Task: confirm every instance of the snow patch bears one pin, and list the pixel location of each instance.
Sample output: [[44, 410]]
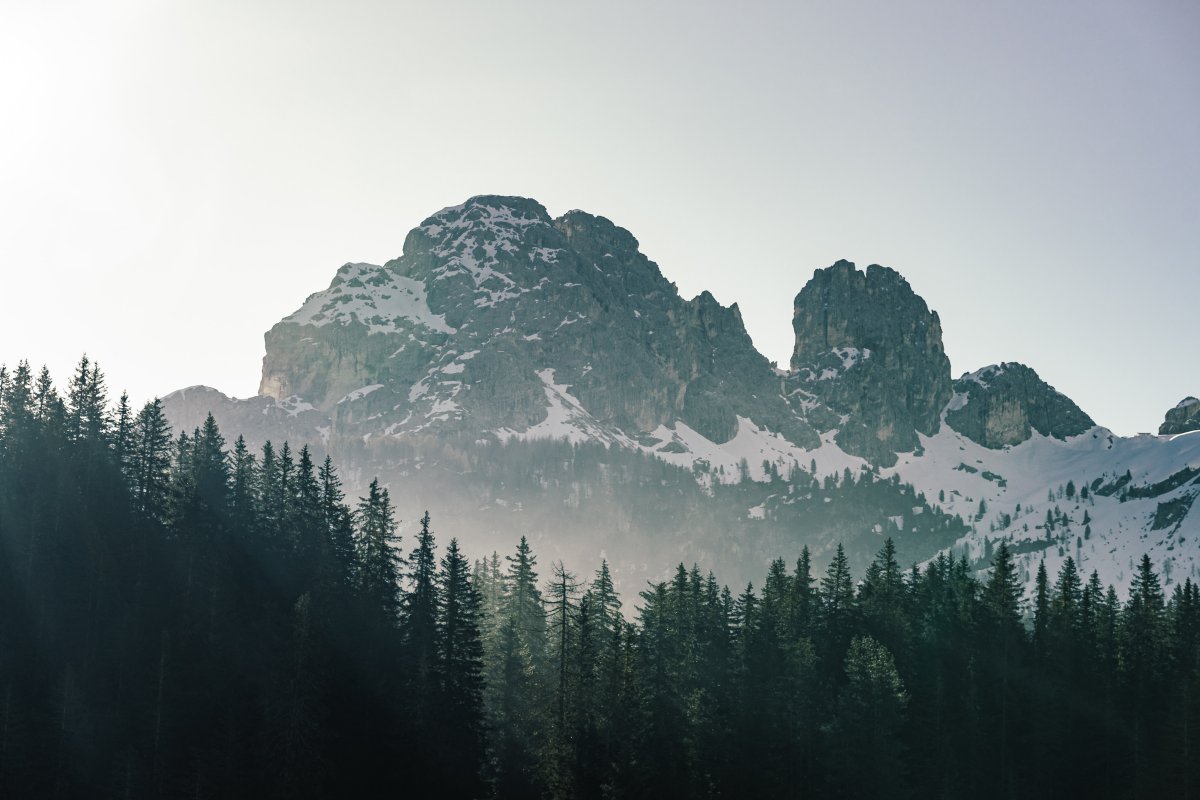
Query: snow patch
[[359, 394], [851, 355], [566, 418], [374, 296]]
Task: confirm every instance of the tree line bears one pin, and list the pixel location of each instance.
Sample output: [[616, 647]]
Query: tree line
[[182, 617]]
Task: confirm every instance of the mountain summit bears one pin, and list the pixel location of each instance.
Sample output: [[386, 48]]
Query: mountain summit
[[1183, 418], [493, 306], [517, 372], [895, 378]]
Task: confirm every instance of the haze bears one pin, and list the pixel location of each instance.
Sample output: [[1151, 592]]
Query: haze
[[175, 178]]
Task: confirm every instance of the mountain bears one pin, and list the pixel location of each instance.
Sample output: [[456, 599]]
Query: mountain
[[1183, 418], [518, 373], [870, 350]]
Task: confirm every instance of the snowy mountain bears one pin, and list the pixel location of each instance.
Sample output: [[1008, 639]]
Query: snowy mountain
[[518, 373]]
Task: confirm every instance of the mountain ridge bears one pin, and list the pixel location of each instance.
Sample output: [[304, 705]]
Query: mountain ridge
[[500, 325]]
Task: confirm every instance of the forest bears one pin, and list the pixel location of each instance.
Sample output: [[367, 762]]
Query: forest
[[181, 616]]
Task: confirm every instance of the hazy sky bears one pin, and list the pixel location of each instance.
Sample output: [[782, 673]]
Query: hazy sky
[[176, 177]]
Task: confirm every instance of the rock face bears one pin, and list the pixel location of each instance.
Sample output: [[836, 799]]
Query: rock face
[[1003, 404], [869, 349], [461, 330], [1182, 418]]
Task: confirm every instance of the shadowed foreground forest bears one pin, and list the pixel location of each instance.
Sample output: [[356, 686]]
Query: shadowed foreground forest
[[180, 617]]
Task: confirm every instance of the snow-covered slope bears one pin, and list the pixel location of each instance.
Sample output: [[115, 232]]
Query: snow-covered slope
[[1109, 498]]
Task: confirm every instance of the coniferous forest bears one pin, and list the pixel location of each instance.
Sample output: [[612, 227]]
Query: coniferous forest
[[181, 617]]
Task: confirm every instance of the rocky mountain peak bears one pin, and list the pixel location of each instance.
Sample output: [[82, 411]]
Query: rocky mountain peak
[[496, 317], [1184, 417], [870, 349], [842, 306], [595, 236], [1003, 404], [503, 216]]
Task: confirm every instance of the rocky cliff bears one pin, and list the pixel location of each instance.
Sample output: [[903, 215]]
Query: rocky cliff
[[1183, 418], [492, 304], [1004, 404], [869, 349]]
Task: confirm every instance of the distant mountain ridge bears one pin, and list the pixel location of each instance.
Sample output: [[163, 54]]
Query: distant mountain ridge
[[501, 330]]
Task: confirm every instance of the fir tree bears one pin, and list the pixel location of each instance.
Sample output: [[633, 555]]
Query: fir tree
[[379, 563], [460, 666], [870, 721], [151, 462], [421, 609]]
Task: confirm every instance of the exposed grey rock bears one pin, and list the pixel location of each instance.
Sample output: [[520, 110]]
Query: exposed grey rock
[[490, 294], [1182, 418], [1004, 403], [871, 350]]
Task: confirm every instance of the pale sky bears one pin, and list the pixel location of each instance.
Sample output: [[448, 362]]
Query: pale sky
[[176, 177]]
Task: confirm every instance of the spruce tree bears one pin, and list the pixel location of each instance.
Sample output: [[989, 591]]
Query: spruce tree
[[151, 462], [306, 522], [804, 597], [868, 745], [460, 669], [1041, 613], [339, 569], [1003, 641], [379, 563], [421, 609], [837, 613], [523, 603]]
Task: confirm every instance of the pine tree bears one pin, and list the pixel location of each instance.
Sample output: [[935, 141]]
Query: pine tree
[[87, 400], [243, 477], [1141, 652], [421, 609], [379, 563], [269, 501], [47, 405], [562, 591], [517, 677], [1003, 640], [606, 605], [151, 462], [1041, 613], [804, 597], [1142, 628], [122, 437], [17, 416], [1066, 623], [212, 468], [563, 617], [306, 522], [883, 599], [523, 603], [870, 722], [837, 611], [339, 570], [460, 666]]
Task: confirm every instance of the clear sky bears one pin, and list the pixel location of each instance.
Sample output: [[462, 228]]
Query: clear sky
[[176, 177]]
